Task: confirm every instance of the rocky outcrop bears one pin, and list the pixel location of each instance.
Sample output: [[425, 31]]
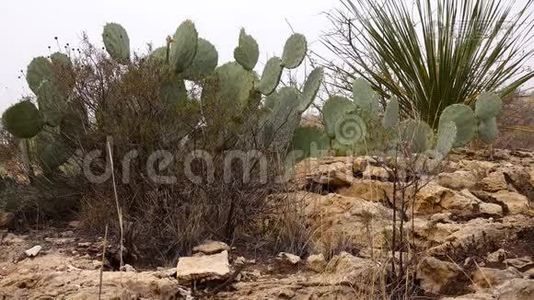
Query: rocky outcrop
[[206, 267]]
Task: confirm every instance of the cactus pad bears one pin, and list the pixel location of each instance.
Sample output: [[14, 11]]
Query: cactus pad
[[184, 46], [39, 69], [464, 119], [23, 120], [311, 87], [417, 135], [365, 97], [231, 87], [446, 138], [205, 61], [294, 51], [333, 110], [247, 53], [173, 92], [116, 42], [488, 131], [488, 106], [391, 115], [51, 102], [271, 75], [310, 140]]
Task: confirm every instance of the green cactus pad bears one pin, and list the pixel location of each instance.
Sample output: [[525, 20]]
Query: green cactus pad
[[231, 88], [247, 53], [310, 140], [333, 110], [417, 135], [488, 131], [173, 92], [205, 61], [294, 51], [51, 102], [365, 97], [391, 115], [464, 119], [272, 100], [283, 120], [159, 54], [39, 69], [61, 61], [117, 42], [311, 87], [270, 77], [488, 105], [23, 120], [184, 46], [50, 151], [446, 138]]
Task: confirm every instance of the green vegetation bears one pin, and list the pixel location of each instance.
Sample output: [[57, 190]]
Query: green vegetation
[[437, 54]]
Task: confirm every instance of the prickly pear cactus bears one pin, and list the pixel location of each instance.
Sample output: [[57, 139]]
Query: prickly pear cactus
[[311, 87], [173, 92], [446, 138], [23, 120], [61, 61], [391, 115], [365, 98], [310, 141], [335, 109], [117, 42], [51, 151], [247, 53], [488, 130], [205, 61], [271, 75], [464, 119], [51, 103], [417, 135], [281, 123], [39, 70], [294, 51], [487, 106], [231, 87], [184, 46]]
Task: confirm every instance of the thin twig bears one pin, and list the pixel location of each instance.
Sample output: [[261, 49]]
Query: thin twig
[[103, 260], [119, 210]]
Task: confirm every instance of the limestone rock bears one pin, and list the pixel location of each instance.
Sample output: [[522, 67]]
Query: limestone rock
[[288, 258], [494, 182], [458, 180], [487, 277], [515, 289], [334, 172], [211, 247], [207, 267], [34, 251], [516, 202], [370, 190], [436, 274], [498, 256], [316, 263], [345, 268]]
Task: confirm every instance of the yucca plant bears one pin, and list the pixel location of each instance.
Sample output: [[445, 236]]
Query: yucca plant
[[433, 53]]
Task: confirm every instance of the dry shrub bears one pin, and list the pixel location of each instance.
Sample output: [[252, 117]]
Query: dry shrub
[[516, 124], [164, 220]]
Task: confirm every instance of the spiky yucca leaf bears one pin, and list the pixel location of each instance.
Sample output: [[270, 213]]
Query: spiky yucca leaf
[[434, 53]]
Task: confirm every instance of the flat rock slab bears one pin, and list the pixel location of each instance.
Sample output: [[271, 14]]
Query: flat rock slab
[[207, 267]]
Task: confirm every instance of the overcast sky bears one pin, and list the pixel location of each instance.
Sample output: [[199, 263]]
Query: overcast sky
[[28, 27]]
